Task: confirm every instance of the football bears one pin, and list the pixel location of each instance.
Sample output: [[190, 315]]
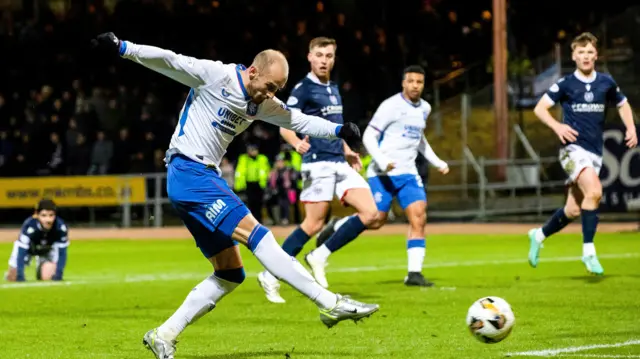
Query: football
[[490, 319]]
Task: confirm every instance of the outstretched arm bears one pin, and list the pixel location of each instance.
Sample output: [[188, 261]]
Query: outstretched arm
[[187, 70], [277, 113]]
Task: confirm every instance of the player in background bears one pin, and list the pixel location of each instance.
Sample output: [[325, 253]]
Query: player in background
[[329, 166], [223, 101], [584, 95], [43, 236], [394, 138]]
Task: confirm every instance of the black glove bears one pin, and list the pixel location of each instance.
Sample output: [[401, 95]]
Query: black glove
[[350, 133], [107, 42]]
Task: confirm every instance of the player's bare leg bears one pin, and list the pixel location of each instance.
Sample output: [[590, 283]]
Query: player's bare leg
[[228, 274], [367, 217], [315, 212], [591, 188], [47, 270], [561, 218], [416, 245], [333, 307], [11, 275]]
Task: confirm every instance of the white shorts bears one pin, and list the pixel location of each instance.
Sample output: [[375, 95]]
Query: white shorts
[[574, 159], [52, 256], [321, 180]]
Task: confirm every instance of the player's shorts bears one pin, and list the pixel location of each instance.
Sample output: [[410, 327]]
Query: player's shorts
[[207, 206], [574, 159], [52, 256], [407, 188], [321, 180]]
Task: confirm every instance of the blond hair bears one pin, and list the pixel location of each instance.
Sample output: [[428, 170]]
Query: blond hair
[[584, 39], [322, 42]]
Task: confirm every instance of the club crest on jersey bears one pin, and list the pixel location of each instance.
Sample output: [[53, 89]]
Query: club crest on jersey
[[252, 109], [588, 96], [333, 99]]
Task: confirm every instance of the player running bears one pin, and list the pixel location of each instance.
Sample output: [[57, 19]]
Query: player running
[[394, 138], [43, 236], [329, 167], [223, 101], [584, 96]]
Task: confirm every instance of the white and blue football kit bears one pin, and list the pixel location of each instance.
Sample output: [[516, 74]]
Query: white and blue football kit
[[217, 109], [396, 135], [45, 245], [584, 100], [325, 171]]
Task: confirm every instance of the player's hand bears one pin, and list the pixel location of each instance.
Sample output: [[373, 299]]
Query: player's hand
[[631, 137], [350, 133], [107, 42], [353, 158], [390, 167], [444, 170], [565, 133], [303, 146]]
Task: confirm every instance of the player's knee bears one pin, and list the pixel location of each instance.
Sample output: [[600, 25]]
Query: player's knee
[[572, 211], [312, 226], [236, 275], [371, 219], [418, 221], [593, 195]]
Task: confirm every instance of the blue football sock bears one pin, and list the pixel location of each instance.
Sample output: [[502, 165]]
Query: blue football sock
[[345, 234], [556, 223], [294, 243], [589, 224]]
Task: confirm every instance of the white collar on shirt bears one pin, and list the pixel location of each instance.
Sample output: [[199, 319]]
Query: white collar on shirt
[[585, 79], [315, 79]]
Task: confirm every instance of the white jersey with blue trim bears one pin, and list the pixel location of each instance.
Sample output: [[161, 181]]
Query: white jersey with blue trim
[[395, 135], [218, 107]]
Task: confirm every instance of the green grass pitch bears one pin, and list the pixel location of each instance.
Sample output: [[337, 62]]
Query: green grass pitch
[[116, 290]]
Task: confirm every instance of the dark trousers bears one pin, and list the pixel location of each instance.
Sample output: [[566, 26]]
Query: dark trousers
[[255, 196]]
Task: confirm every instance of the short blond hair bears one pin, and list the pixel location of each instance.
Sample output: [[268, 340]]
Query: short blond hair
[[322, 42], [583, 40]]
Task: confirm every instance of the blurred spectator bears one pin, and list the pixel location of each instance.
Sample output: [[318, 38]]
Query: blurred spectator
[[228, 172], [251, 176], [123, 152], [281, 191], [78, 157], [101, 155]]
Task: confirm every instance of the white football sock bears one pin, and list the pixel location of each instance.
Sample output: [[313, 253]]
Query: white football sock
[[288, 269], [200, 301], [540, 235], [416, 258], [588, 249], [340, 222], [321, 253]]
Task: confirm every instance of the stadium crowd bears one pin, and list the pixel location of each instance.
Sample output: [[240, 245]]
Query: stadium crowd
[[66, 111]]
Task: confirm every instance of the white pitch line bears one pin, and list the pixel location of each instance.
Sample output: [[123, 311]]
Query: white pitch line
[[561, 351], [600, 355], [187, 276]]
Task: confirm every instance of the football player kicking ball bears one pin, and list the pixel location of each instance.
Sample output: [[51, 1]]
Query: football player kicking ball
[[584, 96]]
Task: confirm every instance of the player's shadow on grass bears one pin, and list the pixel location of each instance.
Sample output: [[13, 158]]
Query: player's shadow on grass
[[592, 278], [400, 282], [270, 354]]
